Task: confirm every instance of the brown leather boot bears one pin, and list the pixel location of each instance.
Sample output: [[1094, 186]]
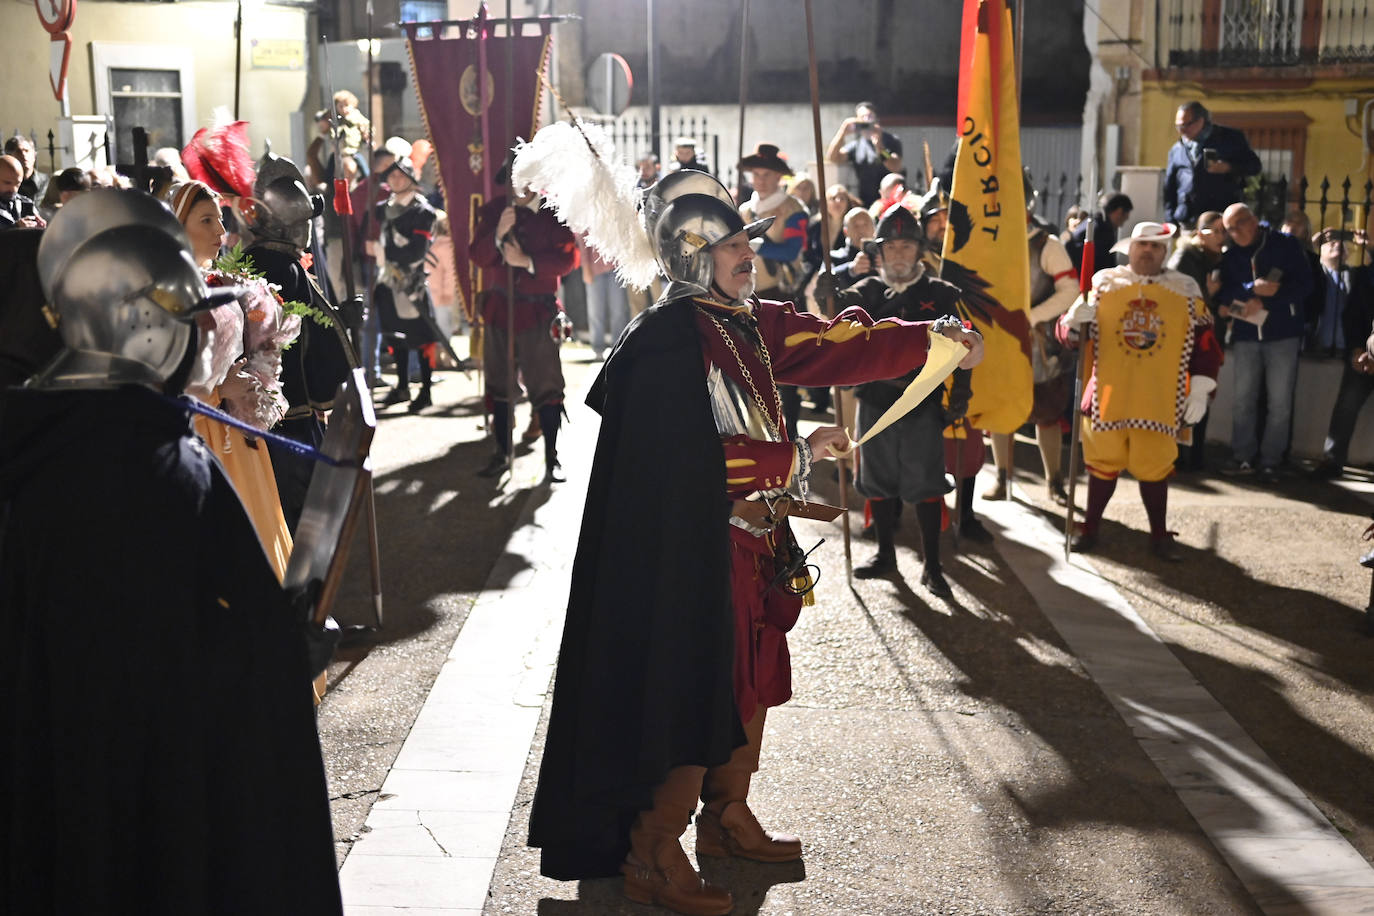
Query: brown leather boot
[[734, 831], [726, 826], [657, 871]]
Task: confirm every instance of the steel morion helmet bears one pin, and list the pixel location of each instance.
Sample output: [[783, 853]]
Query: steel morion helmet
[[897, 222], [116, 267], [282, 208], [685, 233], [675, 185], [934, 200]]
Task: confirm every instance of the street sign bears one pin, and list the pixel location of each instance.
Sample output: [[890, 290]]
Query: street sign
[[56, 15], [609, 84], [59, 56]]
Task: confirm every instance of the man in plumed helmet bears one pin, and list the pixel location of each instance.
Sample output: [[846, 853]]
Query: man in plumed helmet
[[313, 368], [906, 463], [687, 576], [156, 721]]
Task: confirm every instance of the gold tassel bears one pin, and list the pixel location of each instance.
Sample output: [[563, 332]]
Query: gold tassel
[[803, 584]]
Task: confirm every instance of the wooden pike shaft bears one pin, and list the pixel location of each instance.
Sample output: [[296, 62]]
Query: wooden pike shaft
[[829, 305]]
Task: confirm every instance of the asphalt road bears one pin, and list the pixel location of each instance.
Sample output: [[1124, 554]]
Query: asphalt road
[[937, 757]]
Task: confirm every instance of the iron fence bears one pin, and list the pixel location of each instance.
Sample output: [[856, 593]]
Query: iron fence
[[1264, 33], [1344, 205], [634, 138]]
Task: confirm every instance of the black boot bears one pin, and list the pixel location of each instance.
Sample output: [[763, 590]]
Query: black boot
[[884, 562], [401, 393], [932, 576], [426, 378], [500, 429], [970, 529], [551, 421]]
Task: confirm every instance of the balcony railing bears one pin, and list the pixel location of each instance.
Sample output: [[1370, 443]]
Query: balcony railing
[[1265, 33]]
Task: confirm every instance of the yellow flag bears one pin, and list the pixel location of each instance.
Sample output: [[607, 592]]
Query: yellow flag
[[985, 248]]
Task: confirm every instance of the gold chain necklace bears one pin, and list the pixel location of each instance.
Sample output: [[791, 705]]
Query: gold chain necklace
[[773, 421]]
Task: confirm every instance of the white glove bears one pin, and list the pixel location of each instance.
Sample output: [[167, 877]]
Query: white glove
[[1200, 388], [1083, 311]]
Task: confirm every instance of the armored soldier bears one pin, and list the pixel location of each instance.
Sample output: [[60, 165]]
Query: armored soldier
[[906, 463], [155, 700], [687, 575], [319, 361], [402, 295]]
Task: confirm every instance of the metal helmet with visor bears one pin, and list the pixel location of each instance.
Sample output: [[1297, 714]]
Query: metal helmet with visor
[[116, 269]]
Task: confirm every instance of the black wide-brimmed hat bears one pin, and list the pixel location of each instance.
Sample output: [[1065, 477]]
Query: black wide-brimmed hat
[[766, 156]]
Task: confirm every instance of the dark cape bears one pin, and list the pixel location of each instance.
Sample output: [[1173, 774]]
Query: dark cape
[[312, 369], [27, 341], [644, 679], [157, 731]]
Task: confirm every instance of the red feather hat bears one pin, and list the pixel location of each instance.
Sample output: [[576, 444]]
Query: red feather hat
[[219, 157]]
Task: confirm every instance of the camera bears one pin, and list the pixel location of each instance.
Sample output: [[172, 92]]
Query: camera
[[870, 248]]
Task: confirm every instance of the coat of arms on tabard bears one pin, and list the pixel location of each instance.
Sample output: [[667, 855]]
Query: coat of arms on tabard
[[1141, 327]]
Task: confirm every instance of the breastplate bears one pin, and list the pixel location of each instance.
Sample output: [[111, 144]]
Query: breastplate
[[734, 409]]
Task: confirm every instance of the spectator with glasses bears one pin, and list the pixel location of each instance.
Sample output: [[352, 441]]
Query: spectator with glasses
[[1207, 166]]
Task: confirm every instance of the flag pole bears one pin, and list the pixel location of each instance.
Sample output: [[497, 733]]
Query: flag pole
[[510, 269], [829, 305], [1085, 281], [743, 97]]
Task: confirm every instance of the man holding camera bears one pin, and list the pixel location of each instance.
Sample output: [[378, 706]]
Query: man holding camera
[[1207, 166], [1265, 281], [862, 142], [1347, 298]]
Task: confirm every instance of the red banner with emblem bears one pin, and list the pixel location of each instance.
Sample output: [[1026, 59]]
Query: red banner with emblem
[[465, 115]]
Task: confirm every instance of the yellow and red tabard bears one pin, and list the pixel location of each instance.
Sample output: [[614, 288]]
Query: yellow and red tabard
[[1142, 342]]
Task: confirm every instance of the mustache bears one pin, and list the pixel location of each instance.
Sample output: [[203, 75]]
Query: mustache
[[745, 268]]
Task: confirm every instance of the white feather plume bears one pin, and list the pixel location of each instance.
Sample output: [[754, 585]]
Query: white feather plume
[[591, 190]]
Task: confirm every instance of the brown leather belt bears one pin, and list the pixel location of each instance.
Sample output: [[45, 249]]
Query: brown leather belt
[[756, 512]]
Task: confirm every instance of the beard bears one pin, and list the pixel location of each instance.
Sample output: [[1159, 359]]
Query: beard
[[750, 281], [900, 271]]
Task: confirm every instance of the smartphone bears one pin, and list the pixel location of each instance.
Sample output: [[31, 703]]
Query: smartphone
[[1209, 156], [1338, 235], [1275, 275]]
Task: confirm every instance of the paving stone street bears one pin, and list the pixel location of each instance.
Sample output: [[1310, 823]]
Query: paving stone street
[[1111, 735]]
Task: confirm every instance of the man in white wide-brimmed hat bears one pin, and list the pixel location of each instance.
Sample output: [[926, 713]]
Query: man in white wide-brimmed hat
[[1154, 362]]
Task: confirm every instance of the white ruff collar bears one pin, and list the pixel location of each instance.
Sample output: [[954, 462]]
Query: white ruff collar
[[759, 206], [1122, 277]]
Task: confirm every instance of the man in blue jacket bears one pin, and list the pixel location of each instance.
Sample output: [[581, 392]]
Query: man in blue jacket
[[1265, 281], [1207, 166]]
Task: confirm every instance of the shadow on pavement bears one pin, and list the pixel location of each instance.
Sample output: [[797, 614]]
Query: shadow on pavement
[[441, 530]]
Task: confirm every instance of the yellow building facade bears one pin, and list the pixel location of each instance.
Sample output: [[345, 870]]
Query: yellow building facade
[[1296, 77], [168, 65]]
